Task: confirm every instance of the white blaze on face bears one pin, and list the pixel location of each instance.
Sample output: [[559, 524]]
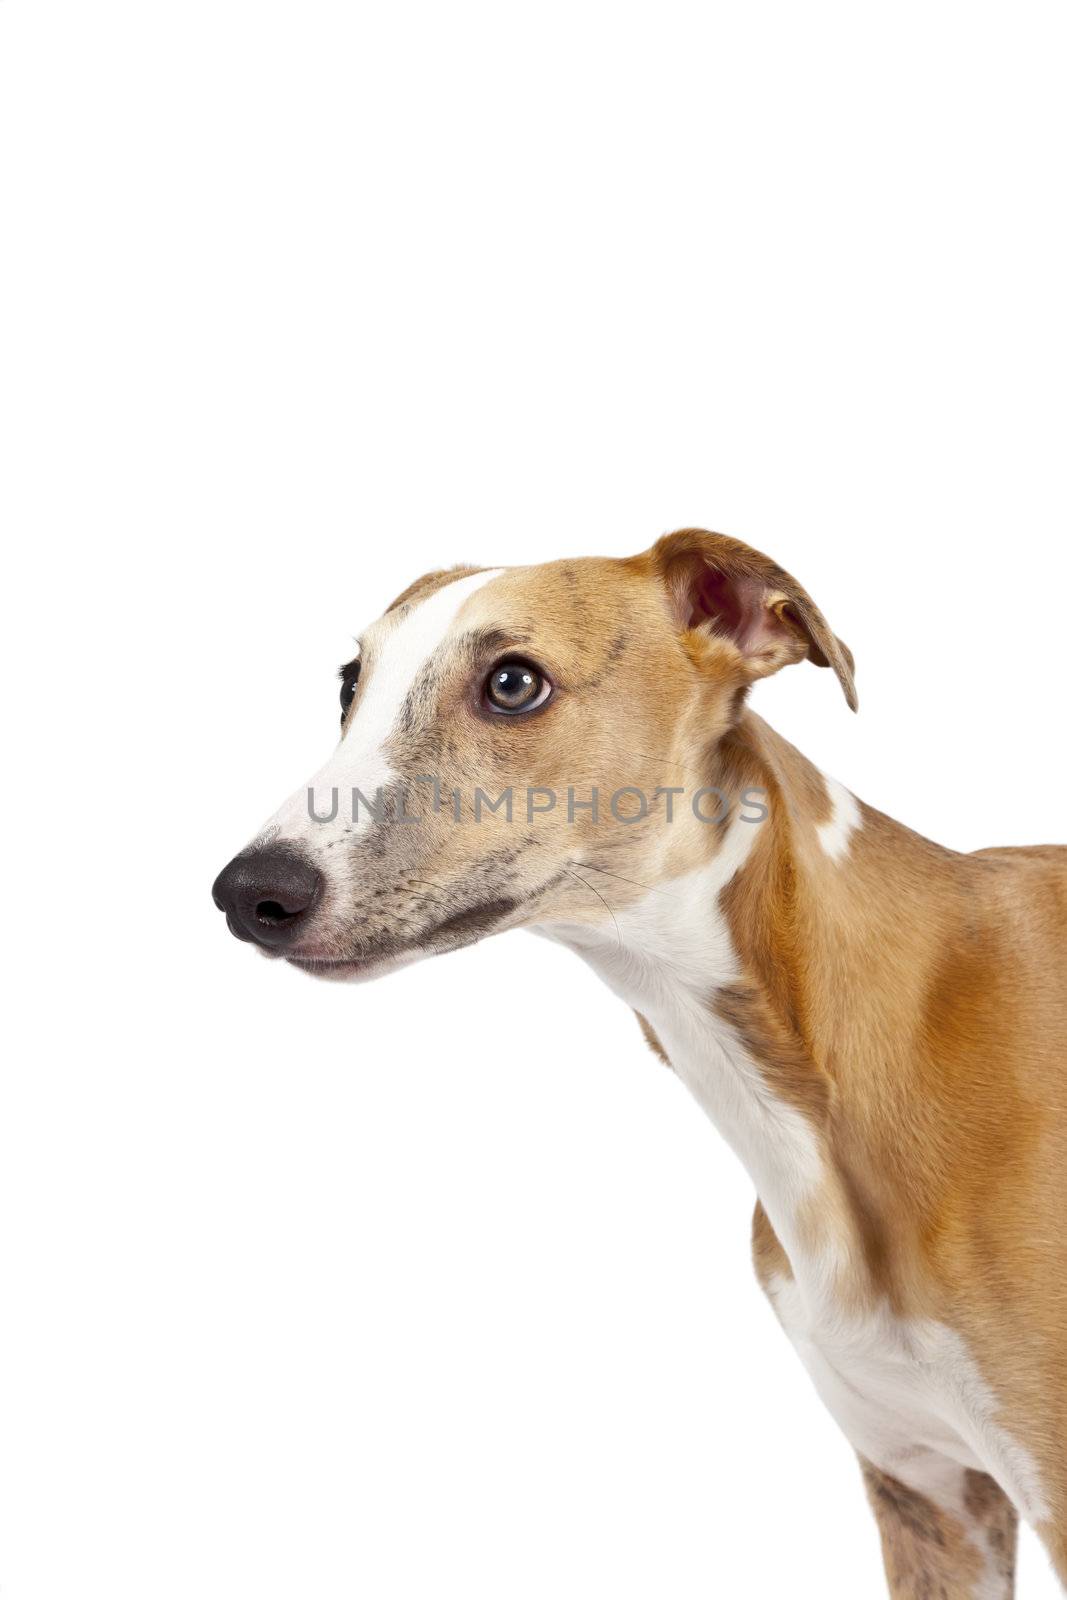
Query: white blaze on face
[[360, 760]]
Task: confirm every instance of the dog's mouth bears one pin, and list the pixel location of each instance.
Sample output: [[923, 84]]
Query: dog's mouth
[[364, 967], [453, 933]]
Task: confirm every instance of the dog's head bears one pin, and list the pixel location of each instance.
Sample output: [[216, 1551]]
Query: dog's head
[[521, 747]]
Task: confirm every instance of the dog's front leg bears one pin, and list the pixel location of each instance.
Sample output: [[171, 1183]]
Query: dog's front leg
[[967, 1553]]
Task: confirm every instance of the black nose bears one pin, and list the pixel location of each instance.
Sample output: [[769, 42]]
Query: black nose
[[267, 895]]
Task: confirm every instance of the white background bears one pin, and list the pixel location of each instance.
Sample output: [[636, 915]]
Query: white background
[[441, 1286]]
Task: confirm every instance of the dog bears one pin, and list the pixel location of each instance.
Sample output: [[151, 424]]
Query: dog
[[877, 1025]]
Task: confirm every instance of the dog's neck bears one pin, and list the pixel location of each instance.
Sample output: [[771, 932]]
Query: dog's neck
[[747, 968]]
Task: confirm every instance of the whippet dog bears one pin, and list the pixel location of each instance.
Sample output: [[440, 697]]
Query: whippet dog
[[876, 1024]]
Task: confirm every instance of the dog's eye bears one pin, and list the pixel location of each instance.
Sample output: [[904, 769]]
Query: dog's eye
[[515, 686], [349, 679]]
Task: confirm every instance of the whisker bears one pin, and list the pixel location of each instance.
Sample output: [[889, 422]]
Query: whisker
[[600, 897], [413, 882], [642, 755], [650, 888]]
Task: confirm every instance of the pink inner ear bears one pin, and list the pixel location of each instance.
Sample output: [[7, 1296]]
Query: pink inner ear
[[735, 607]]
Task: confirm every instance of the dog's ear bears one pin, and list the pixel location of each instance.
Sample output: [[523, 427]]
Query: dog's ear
[[723, 587]]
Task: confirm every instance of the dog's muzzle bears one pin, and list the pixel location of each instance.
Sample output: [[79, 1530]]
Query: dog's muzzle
[[268, 895]]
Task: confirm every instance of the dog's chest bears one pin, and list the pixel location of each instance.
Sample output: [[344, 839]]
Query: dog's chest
[[887, 1387], [907, 1394]]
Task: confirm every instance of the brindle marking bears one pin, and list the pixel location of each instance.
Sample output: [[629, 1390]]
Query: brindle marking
[[931, 1554]]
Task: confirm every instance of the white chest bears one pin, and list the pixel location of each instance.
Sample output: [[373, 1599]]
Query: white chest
[[666, 956], [908, 1395]]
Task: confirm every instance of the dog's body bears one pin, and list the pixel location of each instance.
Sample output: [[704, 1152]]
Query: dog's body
[[877, 1025], [884, 1045]]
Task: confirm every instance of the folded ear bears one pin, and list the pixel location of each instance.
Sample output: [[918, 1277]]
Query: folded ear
[[724, 587]]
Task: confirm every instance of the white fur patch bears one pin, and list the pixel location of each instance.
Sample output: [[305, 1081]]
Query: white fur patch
[[908, 1395], [360, 760], [665, 956], [845, 818]]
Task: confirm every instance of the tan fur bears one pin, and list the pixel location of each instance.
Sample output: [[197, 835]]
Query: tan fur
[[929, 991]]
